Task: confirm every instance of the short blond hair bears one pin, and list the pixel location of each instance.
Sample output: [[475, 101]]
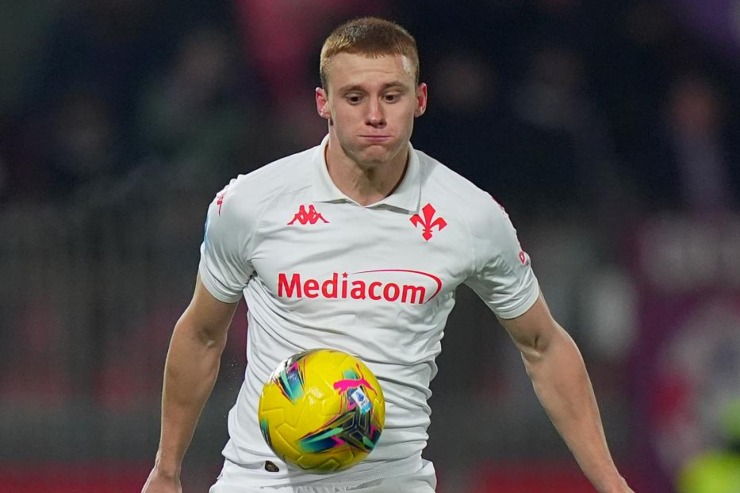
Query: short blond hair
[[369, 36]]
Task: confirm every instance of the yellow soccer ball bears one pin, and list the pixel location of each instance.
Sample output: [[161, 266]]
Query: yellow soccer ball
[[322, 411]]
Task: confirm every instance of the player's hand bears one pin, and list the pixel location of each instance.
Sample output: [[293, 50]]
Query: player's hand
[[158, 483]]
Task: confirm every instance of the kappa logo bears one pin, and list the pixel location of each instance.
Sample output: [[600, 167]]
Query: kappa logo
[[307, 216], [428, 221]]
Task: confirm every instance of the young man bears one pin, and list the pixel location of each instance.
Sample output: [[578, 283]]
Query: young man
[[403, 231]]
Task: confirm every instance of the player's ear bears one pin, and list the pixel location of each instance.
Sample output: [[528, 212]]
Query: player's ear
[[322, 104], [421, 100]]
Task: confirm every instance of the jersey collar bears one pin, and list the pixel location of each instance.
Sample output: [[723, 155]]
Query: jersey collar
[[405, 197]]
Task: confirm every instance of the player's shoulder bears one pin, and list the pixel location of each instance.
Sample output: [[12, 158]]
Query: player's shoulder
[[279, 176], [449, 185], [251, 192]]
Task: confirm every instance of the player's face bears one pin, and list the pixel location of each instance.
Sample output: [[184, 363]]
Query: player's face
[[371, 104]]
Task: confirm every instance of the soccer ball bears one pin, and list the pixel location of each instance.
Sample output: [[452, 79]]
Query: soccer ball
[[322, 411]]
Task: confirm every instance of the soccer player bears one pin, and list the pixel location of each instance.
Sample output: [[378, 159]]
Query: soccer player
[[359, 244]]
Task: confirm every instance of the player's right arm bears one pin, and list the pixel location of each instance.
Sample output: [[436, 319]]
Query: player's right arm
[[191, 369]]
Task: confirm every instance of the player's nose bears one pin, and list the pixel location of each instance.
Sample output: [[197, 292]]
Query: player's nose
[[375, 116]]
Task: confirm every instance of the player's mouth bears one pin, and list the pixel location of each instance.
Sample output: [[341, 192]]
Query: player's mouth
[[376, 139]]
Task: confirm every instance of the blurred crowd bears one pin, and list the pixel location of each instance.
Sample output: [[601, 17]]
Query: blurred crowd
[[121, 119], [591, 107]]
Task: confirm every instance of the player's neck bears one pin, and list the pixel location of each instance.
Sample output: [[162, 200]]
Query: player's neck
[[366, 183]]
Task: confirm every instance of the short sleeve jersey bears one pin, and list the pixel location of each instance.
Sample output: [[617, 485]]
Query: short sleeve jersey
[[319, 270]]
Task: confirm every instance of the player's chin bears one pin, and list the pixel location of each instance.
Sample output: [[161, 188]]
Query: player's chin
[[376, 159], [382, 152]]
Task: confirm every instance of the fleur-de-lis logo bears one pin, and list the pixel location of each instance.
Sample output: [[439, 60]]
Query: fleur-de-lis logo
[[428, 221]]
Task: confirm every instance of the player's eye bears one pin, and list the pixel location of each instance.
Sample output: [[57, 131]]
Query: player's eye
[[391, 97], [353, 98]]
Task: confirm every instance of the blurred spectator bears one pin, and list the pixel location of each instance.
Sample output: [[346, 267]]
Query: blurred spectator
[[466, 124], [698, 145], [641, 44], [84, 143], [564, 145], [688, 164], [195, 120], [95, 57], [108, 44]]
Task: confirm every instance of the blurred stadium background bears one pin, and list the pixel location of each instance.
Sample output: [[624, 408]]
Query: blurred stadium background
[[608, 129]]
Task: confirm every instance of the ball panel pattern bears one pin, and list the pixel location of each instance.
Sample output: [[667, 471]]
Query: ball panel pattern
[[322, 410]]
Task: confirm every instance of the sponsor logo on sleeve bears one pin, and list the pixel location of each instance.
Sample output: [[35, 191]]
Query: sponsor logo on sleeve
[[523, 258], [220, 199]]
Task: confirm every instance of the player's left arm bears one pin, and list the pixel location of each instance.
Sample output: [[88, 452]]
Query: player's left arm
[[561, 382]]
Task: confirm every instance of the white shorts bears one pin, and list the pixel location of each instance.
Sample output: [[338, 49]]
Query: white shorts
[[424, 480]]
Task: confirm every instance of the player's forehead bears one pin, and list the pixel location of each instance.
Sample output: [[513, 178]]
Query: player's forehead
[[355, 69]]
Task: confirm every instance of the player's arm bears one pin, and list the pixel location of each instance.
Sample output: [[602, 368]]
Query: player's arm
[[561, 382], [191, 369]]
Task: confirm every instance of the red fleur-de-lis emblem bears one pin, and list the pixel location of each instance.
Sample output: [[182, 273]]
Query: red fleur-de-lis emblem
[[428, 221], [307, 216]]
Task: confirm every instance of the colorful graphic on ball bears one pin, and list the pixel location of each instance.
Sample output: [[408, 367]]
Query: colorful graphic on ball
[[322, 410], [290, 382]]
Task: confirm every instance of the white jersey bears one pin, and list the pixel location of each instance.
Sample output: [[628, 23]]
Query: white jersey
[[319, 270]]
